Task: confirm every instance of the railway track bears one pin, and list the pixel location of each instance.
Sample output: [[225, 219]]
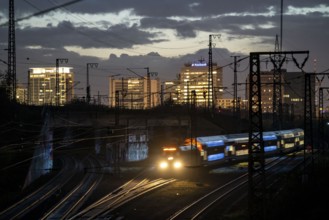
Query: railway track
[[77, 196], [68, 207], [237, 187], [132, 189], [29, 203]]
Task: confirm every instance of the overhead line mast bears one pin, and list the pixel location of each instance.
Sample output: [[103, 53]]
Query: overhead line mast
[[11, 74], [256, 159], [11, 63], [277, 61], [235, 85], [210, 74]]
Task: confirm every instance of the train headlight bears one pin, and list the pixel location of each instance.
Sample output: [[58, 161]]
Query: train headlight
[[163, 165], [178, 164]]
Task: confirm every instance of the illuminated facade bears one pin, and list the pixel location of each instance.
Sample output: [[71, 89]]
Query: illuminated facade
[[292, 90], [170, 92], [194, 83], [21, 94], [225, 103], [267, 90], [293, 96], [266, 79], [42, 86], [132, 93]]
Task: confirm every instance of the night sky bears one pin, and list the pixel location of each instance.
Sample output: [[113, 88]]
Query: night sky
[[161, 35]]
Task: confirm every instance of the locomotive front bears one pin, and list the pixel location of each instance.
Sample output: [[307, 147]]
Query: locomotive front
[[170, 158]]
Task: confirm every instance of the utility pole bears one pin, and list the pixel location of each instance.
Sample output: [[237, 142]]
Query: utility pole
[[210, 73], [123, 92], [281, 23], [256, 158], [193, 119], [89, 65], [112, 92], [308, 110], [117, 107], [277, 84], [11, 74], [235, 85], [148, 81], [321, 119], [57, 90]]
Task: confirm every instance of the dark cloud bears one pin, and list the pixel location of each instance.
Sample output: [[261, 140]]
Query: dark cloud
[[153, 54], [308, 31], [167, 8], [183, 29], [65, 34], [162, 8]]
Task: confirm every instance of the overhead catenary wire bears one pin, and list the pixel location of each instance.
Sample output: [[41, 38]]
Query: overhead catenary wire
[[41, 12]]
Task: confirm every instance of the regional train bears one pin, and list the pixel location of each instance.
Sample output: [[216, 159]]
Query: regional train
[[171, 158], [202, 151]]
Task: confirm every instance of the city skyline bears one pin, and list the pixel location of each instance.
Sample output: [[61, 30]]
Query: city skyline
[[160, 35]]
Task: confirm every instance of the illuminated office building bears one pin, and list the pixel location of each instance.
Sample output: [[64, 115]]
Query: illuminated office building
[[133, 93], [292, 92], [42, 86], [21, 94], [226, 103], [293, 96], [266, 78], [195, 87], [170, 91]]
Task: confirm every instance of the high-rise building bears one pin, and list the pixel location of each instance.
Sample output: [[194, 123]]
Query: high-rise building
[[42, 86], [196, 85], [293, 97], [133, 93], [292, 91], [21, 94], [226, 103], [170, 91], [266, 80]]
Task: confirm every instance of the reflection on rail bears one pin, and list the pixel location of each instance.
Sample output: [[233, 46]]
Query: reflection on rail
[[131, 190]]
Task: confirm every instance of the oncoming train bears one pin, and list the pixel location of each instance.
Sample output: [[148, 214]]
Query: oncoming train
[[171, 158], [211, 149]]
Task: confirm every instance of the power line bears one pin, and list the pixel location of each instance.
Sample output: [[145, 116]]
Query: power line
[[42, 11]]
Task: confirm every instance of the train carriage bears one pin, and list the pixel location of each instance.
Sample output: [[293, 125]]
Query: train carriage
[[287, 139], [299, 138], [219, 148], [237, 145], [271, 142], [213, 147]]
